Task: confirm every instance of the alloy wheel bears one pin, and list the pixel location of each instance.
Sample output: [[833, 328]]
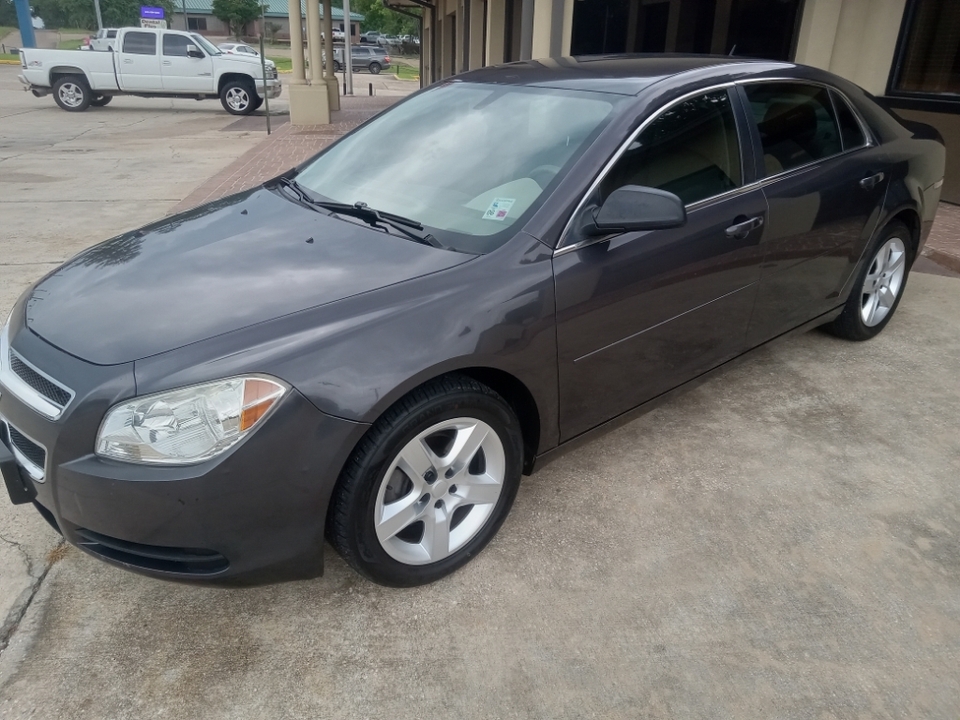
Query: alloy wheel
[[883, 282], [238, 99], [439, 491], [71, 94]]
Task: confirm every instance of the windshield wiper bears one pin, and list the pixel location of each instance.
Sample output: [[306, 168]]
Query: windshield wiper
[[360, 210], [410, 228]]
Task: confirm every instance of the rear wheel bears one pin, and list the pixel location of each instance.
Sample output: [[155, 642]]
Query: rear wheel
[[101, 100], [336, 66], [375, 68], [429, 485], [237, 97], [72, 93], [879, 286]]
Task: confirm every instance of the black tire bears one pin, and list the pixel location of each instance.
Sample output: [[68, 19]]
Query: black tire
[[258, 103], [375, 68], [336, 66], [238, 97], [101, 100], [351, 521], [850, 324], [72, 93]]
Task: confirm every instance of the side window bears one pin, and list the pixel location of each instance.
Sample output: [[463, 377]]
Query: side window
[[691, 150], [850, 131], [140, 43], [176, 45], [796, 122]]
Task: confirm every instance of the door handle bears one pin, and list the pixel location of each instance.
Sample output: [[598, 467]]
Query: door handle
[[869, 183], [741, 229], [127, 61], [167, 62]]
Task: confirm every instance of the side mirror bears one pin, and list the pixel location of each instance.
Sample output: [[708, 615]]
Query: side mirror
[[633, 207], [194, 52]]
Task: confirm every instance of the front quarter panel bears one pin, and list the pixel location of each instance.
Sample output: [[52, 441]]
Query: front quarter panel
[[356, 357]]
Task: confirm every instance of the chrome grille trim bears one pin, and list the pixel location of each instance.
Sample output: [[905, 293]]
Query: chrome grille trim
[[25, 386], [23, 447]]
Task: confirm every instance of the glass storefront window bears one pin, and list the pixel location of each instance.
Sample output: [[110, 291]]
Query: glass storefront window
[[929, 60]]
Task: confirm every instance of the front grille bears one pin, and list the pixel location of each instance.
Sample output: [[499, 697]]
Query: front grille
[[271, 73], [183, 561], [43, 385], [29, 449]]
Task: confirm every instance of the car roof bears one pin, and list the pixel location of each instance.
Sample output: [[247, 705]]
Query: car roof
[[620, 74]]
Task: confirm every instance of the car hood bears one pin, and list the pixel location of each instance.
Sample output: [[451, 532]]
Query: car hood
[[224, 266], [244, 61]]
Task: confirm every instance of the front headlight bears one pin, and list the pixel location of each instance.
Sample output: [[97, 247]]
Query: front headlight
[[189, 425]]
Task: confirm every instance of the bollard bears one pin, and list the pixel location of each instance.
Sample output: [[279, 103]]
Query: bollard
[[370, 88]]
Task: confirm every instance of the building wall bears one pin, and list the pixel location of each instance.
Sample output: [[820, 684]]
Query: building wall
[[856, 39]]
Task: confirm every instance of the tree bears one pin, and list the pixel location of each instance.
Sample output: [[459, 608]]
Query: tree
[[236, 13], [377, 17], [80, 13], [272, 29]]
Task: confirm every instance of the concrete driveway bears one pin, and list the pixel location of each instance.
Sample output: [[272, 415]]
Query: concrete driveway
[[783, 541]]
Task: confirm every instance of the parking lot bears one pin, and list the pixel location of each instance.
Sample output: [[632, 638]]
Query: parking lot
[[783, 541]]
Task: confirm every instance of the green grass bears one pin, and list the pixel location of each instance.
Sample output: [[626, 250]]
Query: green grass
[[9, 56], [283, 64], [69, 44], [4, 31], [406, 72]]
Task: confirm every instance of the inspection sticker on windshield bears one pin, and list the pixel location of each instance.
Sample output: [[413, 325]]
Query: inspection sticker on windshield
[[498, 209]]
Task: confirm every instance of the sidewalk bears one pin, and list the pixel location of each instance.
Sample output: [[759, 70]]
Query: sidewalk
[[289, 145]]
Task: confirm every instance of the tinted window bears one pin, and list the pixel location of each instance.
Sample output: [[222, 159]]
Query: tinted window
[[111, 34], [930, 50], [796, 124], [851, 134], [140, 43], [691, 150], [176, 45]]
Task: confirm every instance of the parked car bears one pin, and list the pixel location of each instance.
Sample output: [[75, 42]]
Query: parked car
[[388, 40], [104, 40], [149, 63], [373, 59], [378, 363], [370, 37], [338, 35], [238, 49]]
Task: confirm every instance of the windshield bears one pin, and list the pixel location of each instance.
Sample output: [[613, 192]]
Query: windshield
[[466, 160], [206, 44]]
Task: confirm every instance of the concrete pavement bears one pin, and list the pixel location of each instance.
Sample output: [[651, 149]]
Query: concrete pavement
[[67, 181], [783, 541]]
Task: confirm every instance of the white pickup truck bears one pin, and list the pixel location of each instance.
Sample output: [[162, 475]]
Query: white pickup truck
[[149, 63]]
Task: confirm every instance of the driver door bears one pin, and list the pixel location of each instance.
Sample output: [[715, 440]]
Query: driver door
[[639, 313], [182, 73]]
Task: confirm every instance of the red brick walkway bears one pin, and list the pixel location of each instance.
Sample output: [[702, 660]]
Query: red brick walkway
[[290, 145]]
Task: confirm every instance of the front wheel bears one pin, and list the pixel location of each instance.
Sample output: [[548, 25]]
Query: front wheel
[[101, 100], [72, 93], [336, 66], [237, 97], [429, 485], [375, 68], [878, 287]]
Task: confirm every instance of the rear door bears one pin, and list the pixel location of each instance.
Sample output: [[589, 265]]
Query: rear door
[[181, 73], [138, 62], [639, 313], [361, 57], [824, 185]]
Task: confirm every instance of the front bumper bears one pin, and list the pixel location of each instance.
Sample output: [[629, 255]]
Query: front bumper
[[273, 88], [255, 513]]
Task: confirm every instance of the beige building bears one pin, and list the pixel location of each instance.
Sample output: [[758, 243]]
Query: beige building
[[904, 51]]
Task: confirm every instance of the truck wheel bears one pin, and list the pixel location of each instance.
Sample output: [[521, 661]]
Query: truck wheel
[[336, 66], [101, 100], [257, 103], [375, 68], [72, 93], [237, 97]]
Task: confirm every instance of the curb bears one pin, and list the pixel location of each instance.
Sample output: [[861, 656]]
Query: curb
[[9, 62], [950, 262]]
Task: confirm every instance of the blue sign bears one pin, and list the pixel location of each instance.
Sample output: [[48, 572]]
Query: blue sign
[[153, 13]]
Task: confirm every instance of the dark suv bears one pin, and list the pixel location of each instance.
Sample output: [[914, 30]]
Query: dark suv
[[373, 59]]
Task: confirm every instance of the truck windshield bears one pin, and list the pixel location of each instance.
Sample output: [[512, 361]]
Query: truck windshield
[[205, 44], [467, 160]]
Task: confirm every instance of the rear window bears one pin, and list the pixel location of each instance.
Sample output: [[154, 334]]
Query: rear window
[[140, 43], [850, 131], [796, 122]]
